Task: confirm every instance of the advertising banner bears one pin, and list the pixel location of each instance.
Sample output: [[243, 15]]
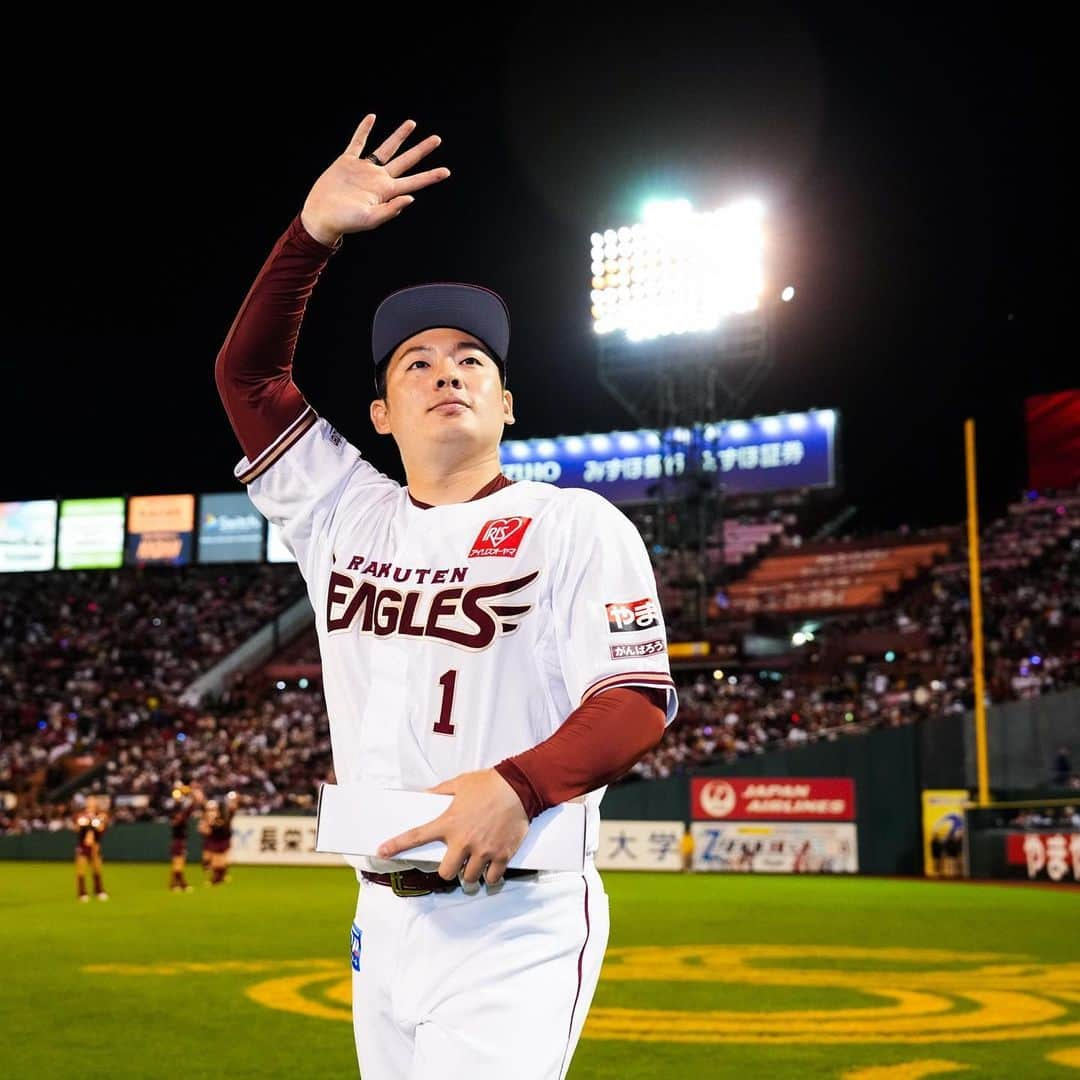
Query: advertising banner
[[91, 534], [27, 535], [943, 831], [278, 840], [767, 453], [783, 798], [160, 529], [1045, 856], [230, 528], [775, 848], [640, 845], [1053, 439]]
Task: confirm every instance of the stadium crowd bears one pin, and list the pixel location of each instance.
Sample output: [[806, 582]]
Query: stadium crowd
[[94, 668], [92, 660], [1031, 628]]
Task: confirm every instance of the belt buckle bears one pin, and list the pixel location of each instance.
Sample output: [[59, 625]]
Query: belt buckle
[[400, 889]]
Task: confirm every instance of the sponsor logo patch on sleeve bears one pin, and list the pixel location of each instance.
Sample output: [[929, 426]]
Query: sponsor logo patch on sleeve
[[501, 537], [631, 615], [634, 649]]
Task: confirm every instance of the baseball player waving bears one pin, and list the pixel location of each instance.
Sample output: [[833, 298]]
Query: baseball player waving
[[497, 642]]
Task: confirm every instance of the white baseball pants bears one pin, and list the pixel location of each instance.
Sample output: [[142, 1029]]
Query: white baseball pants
[[483, 987]]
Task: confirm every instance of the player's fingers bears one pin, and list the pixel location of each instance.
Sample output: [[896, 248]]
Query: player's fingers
[[421, 180], [389, 210], [392, 143], [403, 841], [360, 136], [447, 787], [452, 862], [408, 158], [473, 869], [493, 875]]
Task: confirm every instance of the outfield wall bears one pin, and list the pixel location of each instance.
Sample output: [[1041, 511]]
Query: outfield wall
[[885, 766], [142, 842], [890, 768]]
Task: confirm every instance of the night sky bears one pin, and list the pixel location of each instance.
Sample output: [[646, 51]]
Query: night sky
[[912, 167]]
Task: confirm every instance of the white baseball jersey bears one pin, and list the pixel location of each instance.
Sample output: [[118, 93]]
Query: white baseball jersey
[[455, 636]]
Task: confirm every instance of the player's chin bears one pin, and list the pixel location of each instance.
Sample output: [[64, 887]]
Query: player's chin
[[458, 434]]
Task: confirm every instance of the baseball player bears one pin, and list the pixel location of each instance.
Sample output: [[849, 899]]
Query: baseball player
[[497, 642]]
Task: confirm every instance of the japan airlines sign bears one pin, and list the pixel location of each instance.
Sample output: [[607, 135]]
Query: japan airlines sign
[[782, 798]]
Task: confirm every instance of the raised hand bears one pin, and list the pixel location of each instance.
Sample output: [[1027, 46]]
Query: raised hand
[[361, 191]]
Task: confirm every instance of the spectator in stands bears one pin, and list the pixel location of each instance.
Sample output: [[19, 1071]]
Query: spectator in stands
[[1062, 767]]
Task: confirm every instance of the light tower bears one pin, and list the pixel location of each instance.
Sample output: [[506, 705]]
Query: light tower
[[682, 340]]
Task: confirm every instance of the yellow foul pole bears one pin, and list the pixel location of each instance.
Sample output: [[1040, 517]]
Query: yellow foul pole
[[976, 614]]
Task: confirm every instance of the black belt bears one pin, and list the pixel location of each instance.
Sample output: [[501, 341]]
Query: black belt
[[421, 883]]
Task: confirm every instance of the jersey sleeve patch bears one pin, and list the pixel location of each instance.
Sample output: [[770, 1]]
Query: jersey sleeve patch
[[633, 649], [628, 616]]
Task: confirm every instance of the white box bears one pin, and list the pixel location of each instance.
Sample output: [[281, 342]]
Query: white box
[[354, 819]]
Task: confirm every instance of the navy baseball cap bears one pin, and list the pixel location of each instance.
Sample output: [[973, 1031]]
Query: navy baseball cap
[[472, 308]]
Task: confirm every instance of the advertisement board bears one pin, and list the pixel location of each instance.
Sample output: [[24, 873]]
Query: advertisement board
[[230, 529], [775, 848], [640, 845], [1045, 856], [766, 453], [91, 534], [781, 798], [160, 529], [278, 840], [943, 831], [1053, 440], [27, 535]]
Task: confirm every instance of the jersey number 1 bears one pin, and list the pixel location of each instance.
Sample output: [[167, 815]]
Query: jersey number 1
[[443, 726]]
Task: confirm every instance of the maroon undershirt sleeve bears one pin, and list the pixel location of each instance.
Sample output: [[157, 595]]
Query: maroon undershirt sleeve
[[254, 367], [599, 741]]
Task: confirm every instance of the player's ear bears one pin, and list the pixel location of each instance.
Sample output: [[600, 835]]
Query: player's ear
[[508, 407], [380, 416]]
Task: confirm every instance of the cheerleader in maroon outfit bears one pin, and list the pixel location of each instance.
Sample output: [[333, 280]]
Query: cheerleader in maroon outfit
[[185, 800], [216, 828], [90, 823]]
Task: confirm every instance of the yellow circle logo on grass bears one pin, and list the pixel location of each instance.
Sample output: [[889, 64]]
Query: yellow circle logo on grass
[[993, 997], [990, 998]]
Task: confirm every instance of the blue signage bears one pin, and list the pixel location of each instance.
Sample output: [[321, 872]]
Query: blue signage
[[767, 453]]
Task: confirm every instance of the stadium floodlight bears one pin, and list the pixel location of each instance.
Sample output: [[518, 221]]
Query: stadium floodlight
[[678, 271]]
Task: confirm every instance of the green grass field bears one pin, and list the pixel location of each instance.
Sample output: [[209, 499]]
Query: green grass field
[[706, 976]]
